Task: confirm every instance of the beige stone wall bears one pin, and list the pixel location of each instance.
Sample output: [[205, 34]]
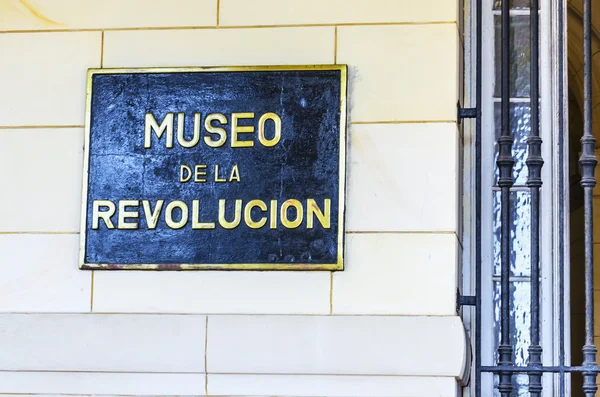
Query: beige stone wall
[[386, 326]]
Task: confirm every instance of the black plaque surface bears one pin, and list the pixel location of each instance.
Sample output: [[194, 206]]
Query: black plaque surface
[[214, 168]]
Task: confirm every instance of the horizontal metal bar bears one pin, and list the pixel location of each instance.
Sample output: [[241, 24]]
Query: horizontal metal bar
[[515, 188], [466, 113], [513, 279], [549, 369], [466, 300]]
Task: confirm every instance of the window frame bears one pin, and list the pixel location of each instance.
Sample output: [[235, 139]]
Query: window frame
[[554, 247]]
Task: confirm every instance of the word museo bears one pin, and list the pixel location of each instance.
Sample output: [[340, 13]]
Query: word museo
[[216, 134]]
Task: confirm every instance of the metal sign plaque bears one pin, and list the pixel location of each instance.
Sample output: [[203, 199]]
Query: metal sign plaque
[[214, 168]]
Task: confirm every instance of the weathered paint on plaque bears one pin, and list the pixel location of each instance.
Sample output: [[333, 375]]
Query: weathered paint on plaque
[[239, 168]]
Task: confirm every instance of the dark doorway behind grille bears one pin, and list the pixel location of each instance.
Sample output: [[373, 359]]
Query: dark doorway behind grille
[[578, 105]]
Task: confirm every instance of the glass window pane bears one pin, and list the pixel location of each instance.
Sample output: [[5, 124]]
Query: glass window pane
[[520, 233], [520, 124], [520, 386], [520, 321], [520, 56], [514, 4]]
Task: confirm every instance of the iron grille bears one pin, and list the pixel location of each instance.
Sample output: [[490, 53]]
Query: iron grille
[[505, 367]]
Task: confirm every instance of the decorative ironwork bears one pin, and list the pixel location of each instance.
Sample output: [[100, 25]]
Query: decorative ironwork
[[505, 368], [505, 164], [534, 181], [588, 162]]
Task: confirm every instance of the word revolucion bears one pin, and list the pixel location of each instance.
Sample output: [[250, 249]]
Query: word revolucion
[[176, 214]]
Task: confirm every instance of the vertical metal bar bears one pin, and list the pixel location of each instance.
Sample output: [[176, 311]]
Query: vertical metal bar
[[562, 201], [534, 181], [478, 127], [588, 163], [505, 164]]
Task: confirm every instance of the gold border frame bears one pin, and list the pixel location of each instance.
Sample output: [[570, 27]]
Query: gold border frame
[[233, 266]]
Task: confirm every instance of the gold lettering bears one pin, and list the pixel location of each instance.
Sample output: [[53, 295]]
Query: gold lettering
[[169, 214], [181, 129], [261, 129], [152, 124], [152, 216], [215, 130], [248, 214], [105, 215], [198, 173], [237, 129], [273, 223], [284, 214], [217, 179], [123, 214], [196, 224], [312, 209], [182, 177], [237, 215], [235, 174]]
